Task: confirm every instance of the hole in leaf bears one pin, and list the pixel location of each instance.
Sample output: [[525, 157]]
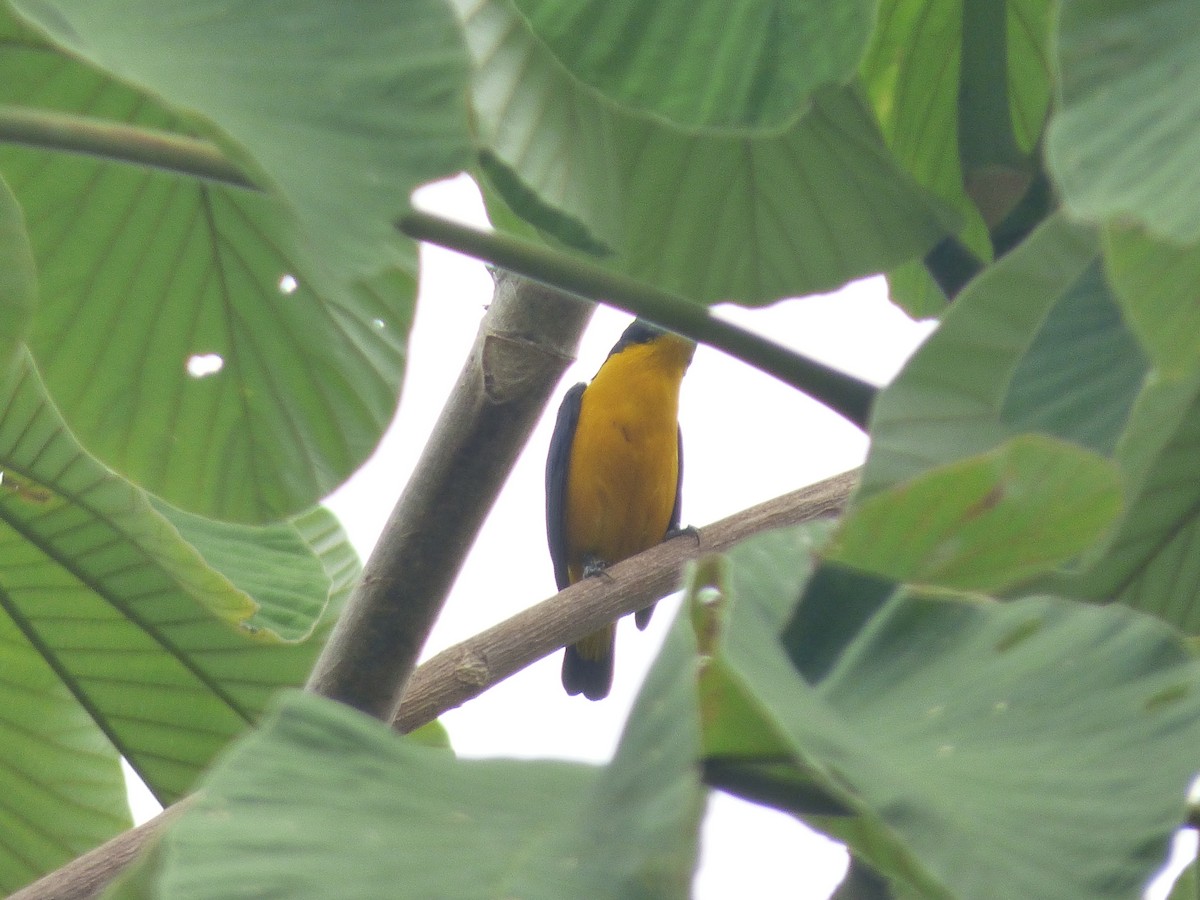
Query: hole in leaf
[[200, 365], [288, 283]]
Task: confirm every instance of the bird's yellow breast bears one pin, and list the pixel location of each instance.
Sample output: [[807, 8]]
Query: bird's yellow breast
[[624, 465]]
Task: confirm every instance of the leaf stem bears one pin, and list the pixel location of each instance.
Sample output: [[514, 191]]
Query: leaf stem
[[843, 393], [71, 133]]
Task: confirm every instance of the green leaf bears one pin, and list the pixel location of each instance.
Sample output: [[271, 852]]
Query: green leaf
[[18, 279], [149, 282], [158, 647], [61, 787], [346, 110], [979, 744], [752, 217], [752, 65], [1156, 283], [985, 523], [1036, 343], [1152, 560], [1125, 138], [1030, 24], [272, 563], [519, 829]]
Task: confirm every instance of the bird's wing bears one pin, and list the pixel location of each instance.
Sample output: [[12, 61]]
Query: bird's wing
[[677, 510], [557, 464]]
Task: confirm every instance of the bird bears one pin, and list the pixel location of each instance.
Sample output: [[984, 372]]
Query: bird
[[613, 478]]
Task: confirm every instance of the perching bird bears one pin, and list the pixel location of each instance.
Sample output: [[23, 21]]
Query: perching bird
[[613, 477]]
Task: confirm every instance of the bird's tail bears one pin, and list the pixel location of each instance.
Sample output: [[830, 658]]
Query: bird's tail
[[588, 665]]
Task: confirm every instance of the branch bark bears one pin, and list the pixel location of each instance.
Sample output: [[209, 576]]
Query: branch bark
[[468, 669], [528, 337]]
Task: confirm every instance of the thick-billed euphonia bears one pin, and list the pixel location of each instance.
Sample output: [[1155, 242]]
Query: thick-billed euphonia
[[613, 477]]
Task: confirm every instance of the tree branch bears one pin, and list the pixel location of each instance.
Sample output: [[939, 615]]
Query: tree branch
[[525, 343], [466, 670]]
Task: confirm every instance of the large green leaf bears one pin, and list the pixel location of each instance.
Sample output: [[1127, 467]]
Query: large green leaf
[[182, 330], [1152, 561], [1124, 141], [342, 108], [1156, 283], [750, 64], [378, 813], [985, 523], [61, 787], [159, 648], [714, 217], [18, 279], [1036, 343], [913, 74], [983, 749]]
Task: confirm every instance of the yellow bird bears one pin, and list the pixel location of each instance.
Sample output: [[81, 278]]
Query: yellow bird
[[613, 477]]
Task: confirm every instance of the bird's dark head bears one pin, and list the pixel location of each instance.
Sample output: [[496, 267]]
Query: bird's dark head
[[640, 331]]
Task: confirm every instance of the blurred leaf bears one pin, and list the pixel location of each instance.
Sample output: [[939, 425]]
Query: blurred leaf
[[1036, 343], [378, 811], [751, 217], [18, 279], [1124, 140], [169, 332], [153, 642], [749, 65], [1158, 284], [985, 523], [1030, 23], [979, 743], [344, 111], [61, 787], [1083, 371], [1152, 560]]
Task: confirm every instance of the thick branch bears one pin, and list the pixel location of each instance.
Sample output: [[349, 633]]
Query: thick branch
[[468, 669], [526, 341]]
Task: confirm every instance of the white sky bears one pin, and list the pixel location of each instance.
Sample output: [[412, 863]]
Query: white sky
[[747, 438]]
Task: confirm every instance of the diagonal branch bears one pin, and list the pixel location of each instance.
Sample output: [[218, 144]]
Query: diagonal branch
[[466, 670]]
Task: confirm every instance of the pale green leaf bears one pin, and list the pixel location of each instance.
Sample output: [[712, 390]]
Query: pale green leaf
[[1157, 283], [18, 278], [1124, 141], [61, 787], [153, 642], [979, 744], [750, 218], [182, 330], [1036, 343], [985, 523], [746, 65], [378, 812], [343, 109]]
